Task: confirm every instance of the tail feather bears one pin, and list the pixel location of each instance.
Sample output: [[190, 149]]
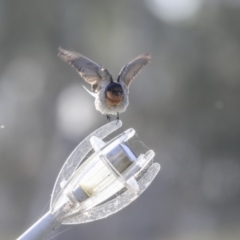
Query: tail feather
[[91, 93]]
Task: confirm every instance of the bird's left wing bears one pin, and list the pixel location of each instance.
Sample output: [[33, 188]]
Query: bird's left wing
[[130, 71]]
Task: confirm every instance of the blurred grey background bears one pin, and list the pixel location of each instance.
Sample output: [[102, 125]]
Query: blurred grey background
[[184, 106]]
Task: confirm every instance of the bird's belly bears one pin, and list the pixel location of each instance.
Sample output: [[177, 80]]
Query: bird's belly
[[110, 107]]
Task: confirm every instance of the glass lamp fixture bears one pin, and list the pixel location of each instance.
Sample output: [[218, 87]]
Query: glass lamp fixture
[[97, 180]]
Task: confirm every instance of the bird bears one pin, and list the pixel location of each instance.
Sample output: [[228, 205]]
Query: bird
[[111, 97]]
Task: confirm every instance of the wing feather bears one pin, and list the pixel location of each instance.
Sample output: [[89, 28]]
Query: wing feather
[[131, 70], [90, 71]]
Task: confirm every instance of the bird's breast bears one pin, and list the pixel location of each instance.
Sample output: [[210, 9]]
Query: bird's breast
[[113, 100]]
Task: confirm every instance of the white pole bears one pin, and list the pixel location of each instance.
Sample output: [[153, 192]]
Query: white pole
[[41, 228]]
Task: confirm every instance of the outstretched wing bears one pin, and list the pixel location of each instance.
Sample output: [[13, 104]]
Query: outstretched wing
[[130, 71], [90, 71]]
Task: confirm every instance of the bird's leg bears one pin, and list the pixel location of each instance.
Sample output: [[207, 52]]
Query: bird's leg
[[108, 118], [117, 119]]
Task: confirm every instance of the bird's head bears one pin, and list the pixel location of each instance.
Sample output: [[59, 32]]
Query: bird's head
[[114, 92]]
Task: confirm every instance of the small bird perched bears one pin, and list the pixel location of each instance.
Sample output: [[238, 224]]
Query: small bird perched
[[111, 97]]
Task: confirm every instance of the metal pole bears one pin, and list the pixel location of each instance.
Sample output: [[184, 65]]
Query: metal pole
[[44, 226]]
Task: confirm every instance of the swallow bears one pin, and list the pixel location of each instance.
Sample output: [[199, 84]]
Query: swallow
[[111, 97]]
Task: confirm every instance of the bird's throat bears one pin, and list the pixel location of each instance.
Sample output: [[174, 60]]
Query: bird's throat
[[112, 99]]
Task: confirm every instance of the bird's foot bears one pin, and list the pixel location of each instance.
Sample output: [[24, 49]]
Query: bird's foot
[[117, 119], [108, 118]]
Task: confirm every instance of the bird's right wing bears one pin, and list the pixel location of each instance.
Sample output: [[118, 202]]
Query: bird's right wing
[[90, 71]]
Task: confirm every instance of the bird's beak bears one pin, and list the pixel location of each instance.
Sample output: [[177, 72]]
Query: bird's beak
[[118, 93]]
